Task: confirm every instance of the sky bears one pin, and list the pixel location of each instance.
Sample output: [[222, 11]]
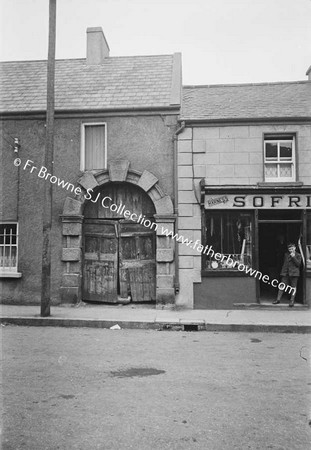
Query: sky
[[221, 41]]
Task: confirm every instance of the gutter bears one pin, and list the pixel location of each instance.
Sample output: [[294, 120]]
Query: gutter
[[175, 140], [91, 111], [245, 120]]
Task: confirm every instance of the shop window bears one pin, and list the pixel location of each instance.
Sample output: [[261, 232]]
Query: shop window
[[230, 234], [94, 146], [308, 248], [8, 248], [279, 158]]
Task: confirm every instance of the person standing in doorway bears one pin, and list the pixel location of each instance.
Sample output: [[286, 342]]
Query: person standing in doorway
[[290, 272]]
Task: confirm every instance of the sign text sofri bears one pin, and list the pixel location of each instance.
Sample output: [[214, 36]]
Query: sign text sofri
[[254, 201]]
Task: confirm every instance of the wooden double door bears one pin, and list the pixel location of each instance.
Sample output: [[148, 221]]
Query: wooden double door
[[119, 261]]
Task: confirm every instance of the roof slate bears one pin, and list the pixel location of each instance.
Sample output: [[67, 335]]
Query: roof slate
[[118, 83], [247, 101]]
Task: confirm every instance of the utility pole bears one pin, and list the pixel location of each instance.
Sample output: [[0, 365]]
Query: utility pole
[[48, 163]]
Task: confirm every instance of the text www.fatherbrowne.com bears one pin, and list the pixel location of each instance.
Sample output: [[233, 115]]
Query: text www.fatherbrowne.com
[[205, 250], [107, 203], [230, 263]]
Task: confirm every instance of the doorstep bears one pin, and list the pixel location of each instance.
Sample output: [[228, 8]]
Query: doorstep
[[267, 305]]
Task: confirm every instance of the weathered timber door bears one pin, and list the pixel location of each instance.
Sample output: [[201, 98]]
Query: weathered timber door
[[100, 271], [137, 262], [119, 254]]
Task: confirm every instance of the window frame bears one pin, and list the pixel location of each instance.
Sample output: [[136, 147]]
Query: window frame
[[279, 138], [83, 149], [308, 243], [227, 271], [11, 272]]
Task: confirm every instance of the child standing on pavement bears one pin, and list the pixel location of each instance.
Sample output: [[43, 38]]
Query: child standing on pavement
[[290, 272]]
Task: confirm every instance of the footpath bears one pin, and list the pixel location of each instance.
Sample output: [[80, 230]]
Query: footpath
[[279, 318]]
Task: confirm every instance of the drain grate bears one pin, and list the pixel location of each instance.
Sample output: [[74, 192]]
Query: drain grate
[[191, 327], [131, 372]]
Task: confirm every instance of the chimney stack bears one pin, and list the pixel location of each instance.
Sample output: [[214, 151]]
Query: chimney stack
[[309, 73], [97, 48]]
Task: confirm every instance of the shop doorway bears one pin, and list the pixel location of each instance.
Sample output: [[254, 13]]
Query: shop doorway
[[119, 263], [275, 230]]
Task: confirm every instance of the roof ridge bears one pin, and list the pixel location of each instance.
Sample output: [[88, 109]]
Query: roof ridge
[[41, 60]]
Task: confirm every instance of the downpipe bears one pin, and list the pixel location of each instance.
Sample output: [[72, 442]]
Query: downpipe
[[175, 161]]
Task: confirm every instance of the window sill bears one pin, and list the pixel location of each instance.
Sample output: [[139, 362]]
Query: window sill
[[10, 275], [280, 183]]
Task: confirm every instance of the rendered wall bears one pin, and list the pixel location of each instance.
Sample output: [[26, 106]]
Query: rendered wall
[[146, 141]]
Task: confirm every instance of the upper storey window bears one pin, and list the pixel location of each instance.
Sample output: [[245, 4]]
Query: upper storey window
[[279, 158], [94, 146]]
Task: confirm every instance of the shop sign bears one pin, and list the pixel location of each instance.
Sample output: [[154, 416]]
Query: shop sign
[[257, 201]]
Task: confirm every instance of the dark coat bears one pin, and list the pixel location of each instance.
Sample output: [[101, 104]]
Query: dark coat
[[291, 265]]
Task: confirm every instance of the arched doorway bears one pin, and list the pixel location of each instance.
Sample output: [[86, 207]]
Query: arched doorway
[[72, 258], [119, 245]]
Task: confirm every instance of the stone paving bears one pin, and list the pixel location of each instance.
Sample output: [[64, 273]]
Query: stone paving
[[140, 316]]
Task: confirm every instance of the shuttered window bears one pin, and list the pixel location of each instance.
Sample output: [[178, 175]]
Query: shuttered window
[[94, 154]]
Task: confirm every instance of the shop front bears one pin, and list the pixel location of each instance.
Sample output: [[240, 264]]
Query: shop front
[[245, 235]]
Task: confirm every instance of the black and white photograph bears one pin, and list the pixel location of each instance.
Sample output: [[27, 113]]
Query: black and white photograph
[[155, 224]]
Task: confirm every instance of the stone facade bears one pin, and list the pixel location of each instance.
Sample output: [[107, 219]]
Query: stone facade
[[222, 155]]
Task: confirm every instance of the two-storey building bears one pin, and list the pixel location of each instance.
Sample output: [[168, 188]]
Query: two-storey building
[[244, 165], [113, 177]]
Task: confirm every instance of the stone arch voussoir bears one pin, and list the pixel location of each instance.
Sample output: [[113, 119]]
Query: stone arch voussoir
[[72, 218], [119, 170]]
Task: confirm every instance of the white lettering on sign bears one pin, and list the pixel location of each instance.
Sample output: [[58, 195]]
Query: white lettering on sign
[[258, 201]]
